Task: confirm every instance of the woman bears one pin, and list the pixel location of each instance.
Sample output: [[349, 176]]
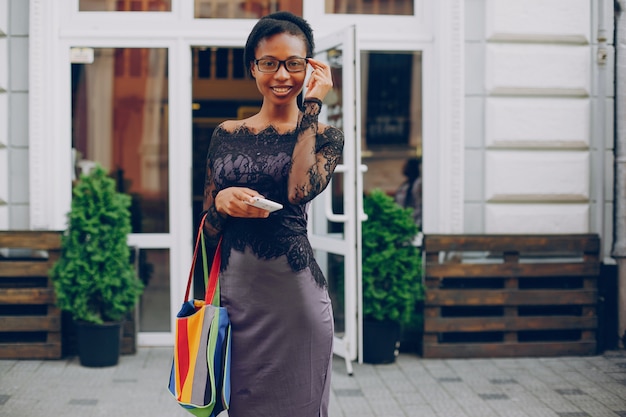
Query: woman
[[409, 194], [271, 285]]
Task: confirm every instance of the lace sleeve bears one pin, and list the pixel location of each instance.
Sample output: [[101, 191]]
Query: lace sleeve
[[214, 221], [315, 155]]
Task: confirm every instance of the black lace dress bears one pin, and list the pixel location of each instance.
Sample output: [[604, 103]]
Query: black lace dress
[[275, 293]]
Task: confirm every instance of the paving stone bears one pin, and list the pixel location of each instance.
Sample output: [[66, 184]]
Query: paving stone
[[418, 410], [539, 412], [411, 387], [348, 392], [449, 379], [569, 391], [83, 401], [493, 396], [502, 381]]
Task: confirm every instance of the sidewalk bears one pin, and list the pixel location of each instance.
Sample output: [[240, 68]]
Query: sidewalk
[[412, 387]]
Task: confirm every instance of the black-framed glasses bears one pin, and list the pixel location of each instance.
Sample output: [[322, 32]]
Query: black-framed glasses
[[270, 65]]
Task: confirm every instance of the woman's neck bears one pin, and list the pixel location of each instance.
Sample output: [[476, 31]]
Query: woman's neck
[[279, 115]]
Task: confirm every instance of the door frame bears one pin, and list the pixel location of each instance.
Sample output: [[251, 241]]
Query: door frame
[[350, 345]]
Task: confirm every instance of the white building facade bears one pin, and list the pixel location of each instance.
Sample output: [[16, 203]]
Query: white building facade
[[510, 105]]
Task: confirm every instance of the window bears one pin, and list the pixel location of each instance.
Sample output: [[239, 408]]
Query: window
[[125, 5], [246, 9], [120, 120], [389, 7]]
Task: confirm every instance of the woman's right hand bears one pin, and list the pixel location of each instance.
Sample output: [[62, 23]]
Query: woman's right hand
[[233, 201], [320, 81]]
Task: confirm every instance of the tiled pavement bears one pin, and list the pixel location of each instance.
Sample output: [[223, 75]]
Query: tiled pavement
[[412, 387]]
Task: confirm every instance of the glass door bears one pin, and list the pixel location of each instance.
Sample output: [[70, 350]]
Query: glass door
[[120, 120], [336, 215]]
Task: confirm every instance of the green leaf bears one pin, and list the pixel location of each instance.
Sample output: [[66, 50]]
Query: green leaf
[[93, 278], [392, 272]]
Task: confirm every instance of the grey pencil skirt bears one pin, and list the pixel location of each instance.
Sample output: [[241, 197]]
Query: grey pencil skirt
[[282, 336]]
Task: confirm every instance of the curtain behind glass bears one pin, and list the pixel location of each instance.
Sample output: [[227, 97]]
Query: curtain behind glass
[[125, 6], [388, 7], [245, 9]]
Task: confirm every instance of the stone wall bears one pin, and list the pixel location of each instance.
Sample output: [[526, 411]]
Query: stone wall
[[535, 153], [14, 186]]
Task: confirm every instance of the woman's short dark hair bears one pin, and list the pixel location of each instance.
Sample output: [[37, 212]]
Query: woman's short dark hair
[[273, 24], [412, 168]]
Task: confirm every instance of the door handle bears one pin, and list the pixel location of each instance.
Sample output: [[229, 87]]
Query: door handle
[[362, 214]]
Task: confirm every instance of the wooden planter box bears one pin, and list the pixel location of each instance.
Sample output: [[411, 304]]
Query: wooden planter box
[[31, 326], [30, 323], [510, 296]]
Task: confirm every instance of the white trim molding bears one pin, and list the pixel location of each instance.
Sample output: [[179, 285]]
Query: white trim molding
[[444, 142], [38, 81], [50, 190]]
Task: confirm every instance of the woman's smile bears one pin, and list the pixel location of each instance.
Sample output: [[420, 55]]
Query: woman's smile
[[280, 90]]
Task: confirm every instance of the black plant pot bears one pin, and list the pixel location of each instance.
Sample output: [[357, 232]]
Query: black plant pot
[[98, 344], [381, 341]]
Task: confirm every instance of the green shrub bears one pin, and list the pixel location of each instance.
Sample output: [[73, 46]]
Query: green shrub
[[93, 278], [391, 263]]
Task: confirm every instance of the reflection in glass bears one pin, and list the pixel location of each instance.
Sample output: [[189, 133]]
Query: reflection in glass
[[125, 5], [333, 267], [120, 120], [391, 115], [389, 7], [333, 115], [332, 101], [244, 9], [154, 305], [219, 63], [220, 91]]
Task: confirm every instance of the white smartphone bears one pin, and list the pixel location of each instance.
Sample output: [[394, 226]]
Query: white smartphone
[[265, 204]]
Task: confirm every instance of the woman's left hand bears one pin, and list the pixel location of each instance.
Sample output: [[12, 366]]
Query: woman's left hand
[[320, 81]]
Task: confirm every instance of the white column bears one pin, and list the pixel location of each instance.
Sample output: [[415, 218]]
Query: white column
[[4, 114], [445, 161], [49, 144]]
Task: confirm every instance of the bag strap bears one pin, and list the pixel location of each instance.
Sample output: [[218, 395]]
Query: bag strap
[[212, 284]]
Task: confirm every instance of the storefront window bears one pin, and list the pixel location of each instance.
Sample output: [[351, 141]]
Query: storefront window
[[391, 114], [125, 5], [389, 7], [245, 9], [120, 120]]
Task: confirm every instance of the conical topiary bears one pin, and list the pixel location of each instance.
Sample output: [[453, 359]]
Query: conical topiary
[[93, 279], [391, 263]]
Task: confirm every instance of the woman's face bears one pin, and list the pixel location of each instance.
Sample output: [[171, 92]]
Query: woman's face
[[282, 86]]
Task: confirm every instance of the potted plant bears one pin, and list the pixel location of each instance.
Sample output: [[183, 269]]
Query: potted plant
[[392, 284], [94, 279]]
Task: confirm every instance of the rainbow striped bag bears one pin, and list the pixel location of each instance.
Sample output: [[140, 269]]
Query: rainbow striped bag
[[200, 376]]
